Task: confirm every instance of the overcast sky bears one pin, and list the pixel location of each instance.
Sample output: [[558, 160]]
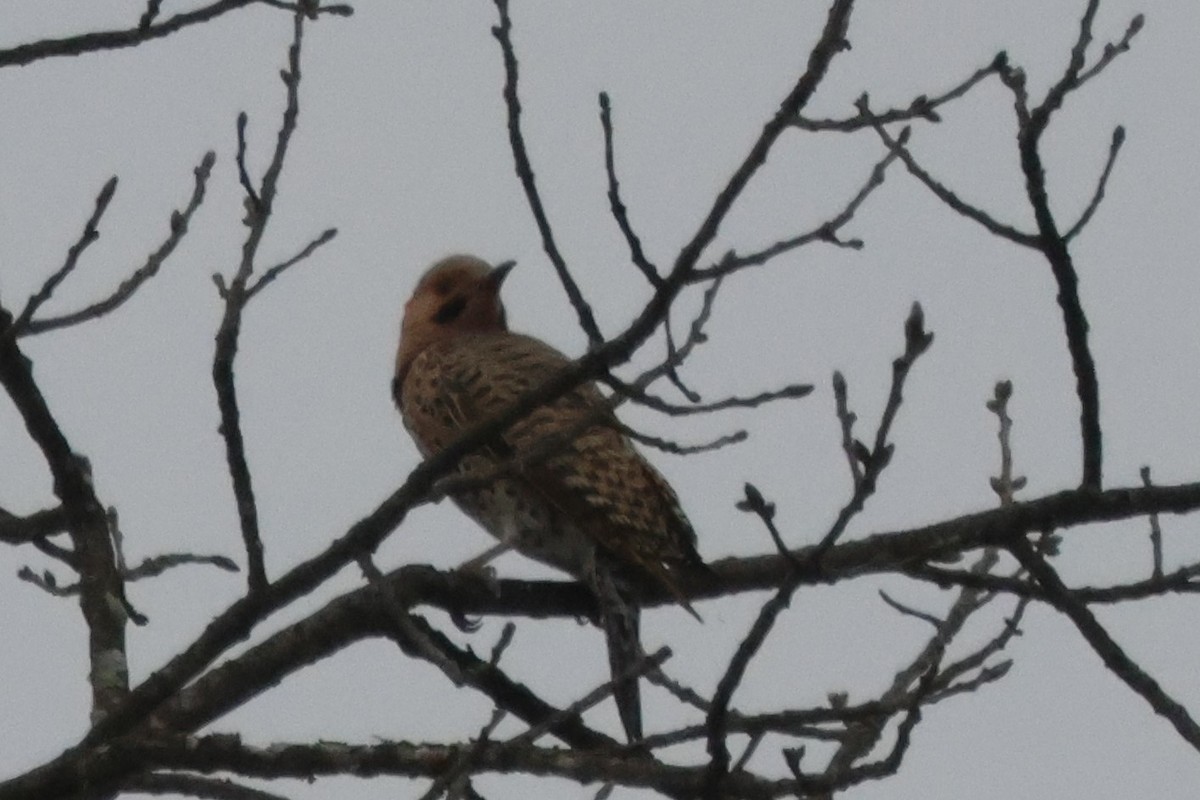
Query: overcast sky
[[402, 147]]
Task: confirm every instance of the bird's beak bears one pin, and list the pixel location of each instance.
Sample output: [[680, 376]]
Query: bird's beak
[[499, 273]]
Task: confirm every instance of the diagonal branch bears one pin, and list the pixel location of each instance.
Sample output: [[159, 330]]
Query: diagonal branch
[[154, 262], [89, 235], [921, 107], [1109, 651], [503, 34], [619, 211], [1118, 138]]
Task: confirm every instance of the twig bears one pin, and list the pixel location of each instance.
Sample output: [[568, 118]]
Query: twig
[[1118, 138], [259, 207], [116, 39], [856, 452], [1185, 580], [1005, 485], [921, 107], [677, 449], [909, 611], [619, 211], [1109, 651], [89, 235], [312, 8], [503, 34], [950, 198], [825, 232], [274, 272], [151, 567], [916, 342], [252, 200], [1155, 532], [791, 392], [179, 227]]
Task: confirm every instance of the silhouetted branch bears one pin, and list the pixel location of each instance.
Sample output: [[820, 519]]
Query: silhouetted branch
[[89, 235], [950, 198], [1109, 651], [275, 271], [1155, 532], [1118, 138], [145, 31], [921, 107], [154, 262], [874, 461], [825, 232], [259, 205], [503, 34], [619, 212]]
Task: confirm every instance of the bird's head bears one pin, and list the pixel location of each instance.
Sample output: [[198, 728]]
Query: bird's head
[[459, 294]]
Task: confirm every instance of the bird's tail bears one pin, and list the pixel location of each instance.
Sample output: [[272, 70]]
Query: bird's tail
[[620, 619]]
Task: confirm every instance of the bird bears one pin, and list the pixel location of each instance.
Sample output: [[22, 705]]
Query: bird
[[564, 485]]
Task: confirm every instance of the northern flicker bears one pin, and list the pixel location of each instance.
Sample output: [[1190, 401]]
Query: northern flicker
[[565, 485]]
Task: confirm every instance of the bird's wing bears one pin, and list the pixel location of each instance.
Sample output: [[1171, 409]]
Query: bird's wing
[[570, 452]]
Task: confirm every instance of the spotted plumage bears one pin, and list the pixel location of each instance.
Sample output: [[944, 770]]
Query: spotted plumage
[[563, 485]]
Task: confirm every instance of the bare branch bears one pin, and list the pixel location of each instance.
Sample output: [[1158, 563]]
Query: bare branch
[[619, 212], [916, 342], [89, 235], [258, 206], [503, 34], [1155, 532], [278, 269], [145, 31], [994, 226], [921, 107], [674, 448], [825, 232], [1118, 138], [1109, 651], [154, 262]]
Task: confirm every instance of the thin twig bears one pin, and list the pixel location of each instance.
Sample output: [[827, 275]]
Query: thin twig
[[921, 107], [275, 271], [1155, 533], [940, 190], [677, 449], [89, 235], [791, 392], [503, 34], [619, 211], [116, 39], [1005, 485], [1114, 147], [916, 342], [179, 227], [825, 232]]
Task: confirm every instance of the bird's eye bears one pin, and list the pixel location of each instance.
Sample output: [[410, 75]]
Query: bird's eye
[[450, 310]]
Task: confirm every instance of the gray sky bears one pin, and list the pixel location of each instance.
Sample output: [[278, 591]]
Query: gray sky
[[402, 147]]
